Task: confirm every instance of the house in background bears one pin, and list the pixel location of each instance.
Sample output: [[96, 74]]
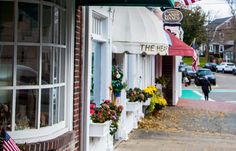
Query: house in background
[[221, 39]]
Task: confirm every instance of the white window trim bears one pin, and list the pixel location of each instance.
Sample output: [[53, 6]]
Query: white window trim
[[49, 132]]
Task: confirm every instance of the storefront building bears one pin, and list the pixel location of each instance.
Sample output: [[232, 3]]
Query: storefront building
[[39, 82]]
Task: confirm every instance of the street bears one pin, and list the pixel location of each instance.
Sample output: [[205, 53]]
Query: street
[[224, 91]]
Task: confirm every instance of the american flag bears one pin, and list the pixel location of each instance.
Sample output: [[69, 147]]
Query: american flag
[[195, 56], [188, 2], [8, 143]]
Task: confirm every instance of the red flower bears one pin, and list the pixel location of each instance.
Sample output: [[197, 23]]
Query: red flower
[[92, 106], [108, 101], [92, 111]]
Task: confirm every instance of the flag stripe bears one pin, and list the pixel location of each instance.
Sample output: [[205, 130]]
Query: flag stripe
[[8, 143], [188, 2]]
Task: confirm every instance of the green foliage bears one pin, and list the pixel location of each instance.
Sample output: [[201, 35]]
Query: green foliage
[[189, 61], [117, 84], [163, 80], [193, 25], [157, 103]]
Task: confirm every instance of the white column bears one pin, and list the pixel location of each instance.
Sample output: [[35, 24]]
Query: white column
[[106, 67], [132, 71]]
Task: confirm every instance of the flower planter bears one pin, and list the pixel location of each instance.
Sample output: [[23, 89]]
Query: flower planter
[[132, 106], [147, 102], [99, 129]]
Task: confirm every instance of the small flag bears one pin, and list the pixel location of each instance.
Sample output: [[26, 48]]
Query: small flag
[[8, 143], [189, 2]]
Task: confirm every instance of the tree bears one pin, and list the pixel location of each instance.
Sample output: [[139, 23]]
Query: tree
[[193, 25]]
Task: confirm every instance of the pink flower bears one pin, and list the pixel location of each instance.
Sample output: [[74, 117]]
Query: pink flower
[[92, 106]]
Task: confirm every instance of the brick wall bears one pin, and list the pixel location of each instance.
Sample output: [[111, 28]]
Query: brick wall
[[69, 141]]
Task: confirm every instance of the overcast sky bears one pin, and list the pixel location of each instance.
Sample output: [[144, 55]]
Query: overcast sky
[[217, 8]]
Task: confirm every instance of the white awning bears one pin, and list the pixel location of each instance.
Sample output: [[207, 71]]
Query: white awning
[[137, 30]]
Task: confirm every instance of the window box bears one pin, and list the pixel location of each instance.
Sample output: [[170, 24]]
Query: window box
[[99, 129], [132, 106]]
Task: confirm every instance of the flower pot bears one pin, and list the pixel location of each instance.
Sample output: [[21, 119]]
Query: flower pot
[[99, 129], [132, 106]]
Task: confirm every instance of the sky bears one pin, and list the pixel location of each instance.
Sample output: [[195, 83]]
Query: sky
[[217, 8]]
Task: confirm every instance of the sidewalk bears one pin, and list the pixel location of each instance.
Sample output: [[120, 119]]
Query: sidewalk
[[207, 105], [189, 126]]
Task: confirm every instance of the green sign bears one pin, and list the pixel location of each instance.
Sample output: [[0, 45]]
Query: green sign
[[165, 3]]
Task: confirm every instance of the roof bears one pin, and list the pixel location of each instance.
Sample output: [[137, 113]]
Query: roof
[[218, 22]]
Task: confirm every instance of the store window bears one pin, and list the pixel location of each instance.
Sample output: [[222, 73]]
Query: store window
[[33, 54]]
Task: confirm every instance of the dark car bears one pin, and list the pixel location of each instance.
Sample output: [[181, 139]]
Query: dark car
[[211, 66], [234, 71], [207, 73]]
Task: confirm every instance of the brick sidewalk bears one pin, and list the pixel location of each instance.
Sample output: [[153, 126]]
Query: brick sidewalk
[[207, 105]]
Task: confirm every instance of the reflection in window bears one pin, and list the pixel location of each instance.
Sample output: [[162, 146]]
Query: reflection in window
[[47, 24], [27, 65], [6, 65], [5, 108], [63, 55], [6, 21], [28, 22], [45, 108], [26, 109], [50, 106], [47, 64], [62, 104], [56, 65]]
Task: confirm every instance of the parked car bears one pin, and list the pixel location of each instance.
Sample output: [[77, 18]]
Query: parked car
[[225, 67], [207, 73], [211, 66], [234, 71], [188, 72]]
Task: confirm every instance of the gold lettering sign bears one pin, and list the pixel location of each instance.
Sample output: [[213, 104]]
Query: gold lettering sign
[[154, 49]]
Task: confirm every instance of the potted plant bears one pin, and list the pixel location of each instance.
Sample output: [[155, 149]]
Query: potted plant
[[157, 103], [163, 80], [105, 119], [117, 84], [150, 91]]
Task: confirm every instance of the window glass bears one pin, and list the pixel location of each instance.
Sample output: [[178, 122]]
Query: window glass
[[56, 25], [6, 65], [47, 65], [63, 55], [63, 27], [28, 22], [47, 24], [27, 65], [26, 109], [5, 108], [62, 103], [6, 21], [55, 99], [56, 65], [45, 108]]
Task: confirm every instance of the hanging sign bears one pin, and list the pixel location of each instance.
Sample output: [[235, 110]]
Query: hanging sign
[[172, 16]]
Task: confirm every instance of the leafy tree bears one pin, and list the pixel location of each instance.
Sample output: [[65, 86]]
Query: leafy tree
[[193, 25]]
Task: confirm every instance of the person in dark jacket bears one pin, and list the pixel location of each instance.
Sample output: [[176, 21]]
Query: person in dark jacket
[[206, 87]]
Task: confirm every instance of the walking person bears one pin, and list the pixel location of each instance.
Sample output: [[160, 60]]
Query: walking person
[[206, 87]]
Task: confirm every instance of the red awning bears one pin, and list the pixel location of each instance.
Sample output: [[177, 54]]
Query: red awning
[[178, 47]]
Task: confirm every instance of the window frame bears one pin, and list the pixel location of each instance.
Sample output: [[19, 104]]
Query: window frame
[[54, 130]]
